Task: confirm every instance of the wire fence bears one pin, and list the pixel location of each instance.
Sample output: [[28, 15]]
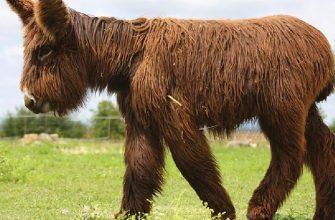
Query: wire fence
[[98, 128]]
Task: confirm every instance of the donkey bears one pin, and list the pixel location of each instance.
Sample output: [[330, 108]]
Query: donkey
[[173, 76]]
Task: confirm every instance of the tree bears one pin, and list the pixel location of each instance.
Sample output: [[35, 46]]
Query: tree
[[23, 122], [107, 121], [332, 126]]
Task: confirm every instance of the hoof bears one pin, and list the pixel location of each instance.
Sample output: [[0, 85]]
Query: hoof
[[259, 213]]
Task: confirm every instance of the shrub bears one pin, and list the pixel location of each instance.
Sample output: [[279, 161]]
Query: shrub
[[17, 124], [106, 121], [332, 126]]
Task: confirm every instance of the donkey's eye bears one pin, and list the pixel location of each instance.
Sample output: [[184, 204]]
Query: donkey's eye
[[44, 52]]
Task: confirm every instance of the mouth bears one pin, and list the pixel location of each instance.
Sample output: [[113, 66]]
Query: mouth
[[35, 105]]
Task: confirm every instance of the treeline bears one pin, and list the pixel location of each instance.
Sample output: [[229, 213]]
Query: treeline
[[105, 122], [332, 127]]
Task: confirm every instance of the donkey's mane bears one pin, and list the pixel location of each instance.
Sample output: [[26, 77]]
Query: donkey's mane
[[107, 35]]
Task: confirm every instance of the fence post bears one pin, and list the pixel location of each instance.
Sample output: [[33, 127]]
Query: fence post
[[45, 124], [109, 128], [25, 126]]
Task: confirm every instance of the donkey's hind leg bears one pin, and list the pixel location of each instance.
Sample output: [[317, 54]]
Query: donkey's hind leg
[[321, 160], [285, 132]]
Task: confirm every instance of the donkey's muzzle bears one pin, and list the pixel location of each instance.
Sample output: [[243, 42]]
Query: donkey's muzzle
[[36, 106]]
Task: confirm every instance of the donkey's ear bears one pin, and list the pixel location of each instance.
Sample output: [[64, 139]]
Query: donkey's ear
[[52, 16], [24, 8]]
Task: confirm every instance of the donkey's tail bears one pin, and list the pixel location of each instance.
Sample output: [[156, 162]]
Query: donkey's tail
[[318, 135], [325, 92]]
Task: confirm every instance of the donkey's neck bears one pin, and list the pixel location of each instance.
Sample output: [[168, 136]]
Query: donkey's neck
[[109, 46]]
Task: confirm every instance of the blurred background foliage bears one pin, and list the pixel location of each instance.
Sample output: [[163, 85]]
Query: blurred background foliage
[[105, 123]]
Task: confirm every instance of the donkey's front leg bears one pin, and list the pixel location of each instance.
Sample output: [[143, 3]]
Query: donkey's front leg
[[144, 159]]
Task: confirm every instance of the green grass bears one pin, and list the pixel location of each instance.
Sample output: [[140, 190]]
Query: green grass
[[83, 180]]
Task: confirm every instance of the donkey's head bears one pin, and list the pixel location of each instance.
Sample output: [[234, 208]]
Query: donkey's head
[[54, 76]]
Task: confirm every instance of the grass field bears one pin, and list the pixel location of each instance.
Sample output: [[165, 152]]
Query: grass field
[[83, 180]]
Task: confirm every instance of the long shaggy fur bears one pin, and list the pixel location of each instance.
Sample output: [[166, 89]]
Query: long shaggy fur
[[175, 76]]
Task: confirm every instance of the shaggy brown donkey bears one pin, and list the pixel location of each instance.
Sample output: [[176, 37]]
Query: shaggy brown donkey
[[174, 76]]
